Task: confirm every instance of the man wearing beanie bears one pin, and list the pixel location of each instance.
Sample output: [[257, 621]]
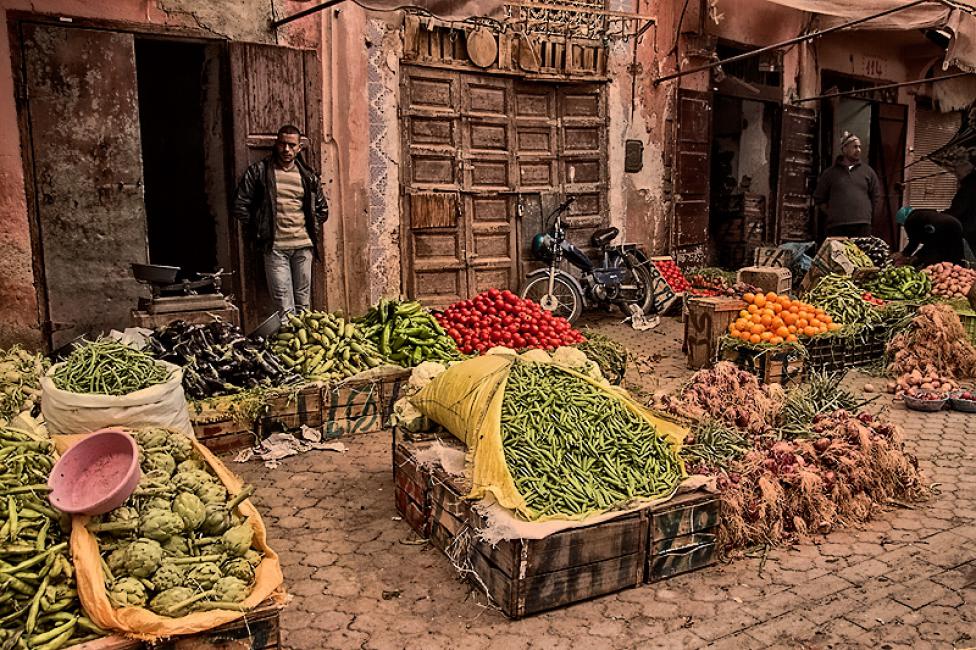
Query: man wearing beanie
[[849, 192]]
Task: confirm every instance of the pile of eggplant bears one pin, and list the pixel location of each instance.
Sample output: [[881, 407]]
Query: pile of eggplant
[[217, 358]]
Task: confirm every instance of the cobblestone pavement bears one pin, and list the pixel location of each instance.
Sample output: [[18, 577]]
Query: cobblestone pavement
[[360, 578]]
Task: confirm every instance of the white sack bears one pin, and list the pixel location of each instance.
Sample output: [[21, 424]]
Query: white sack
[[162, 405]]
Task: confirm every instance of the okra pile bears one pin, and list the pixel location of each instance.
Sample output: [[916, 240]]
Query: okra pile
[[573, 448], [408, 335], [178, 544], [39, 606], [324, 347]]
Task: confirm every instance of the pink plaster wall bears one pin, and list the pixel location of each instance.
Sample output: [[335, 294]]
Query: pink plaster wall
[[248, 20]]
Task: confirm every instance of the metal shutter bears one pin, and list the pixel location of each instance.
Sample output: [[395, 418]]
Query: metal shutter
[[932, 190]]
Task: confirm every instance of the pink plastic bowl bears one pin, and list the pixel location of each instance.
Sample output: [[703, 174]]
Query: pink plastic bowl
[[95, 475]]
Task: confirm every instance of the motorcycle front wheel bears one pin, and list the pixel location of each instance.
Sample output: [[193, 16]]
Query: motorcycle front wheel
[[565, 299]]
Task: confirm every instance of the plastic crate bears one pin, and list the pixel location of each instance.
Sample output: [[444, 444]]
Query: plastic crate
[[867, 348], [969, 324], [827, 354]]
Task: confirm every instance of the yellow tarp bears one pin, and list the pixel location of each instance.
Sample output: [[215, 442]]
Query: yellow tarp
[[467, 401]]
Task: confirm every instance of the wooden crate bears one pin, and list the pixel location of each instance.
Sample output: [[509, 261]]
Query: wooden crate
[[773, 366], [681, 535], [525, 577], [707, 321], [217, 430], [768, 278], [259, 629], [411, 486]]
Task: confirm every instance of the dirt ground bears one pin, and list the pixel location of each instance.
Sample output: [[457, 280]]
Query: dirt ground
[[361, 579]]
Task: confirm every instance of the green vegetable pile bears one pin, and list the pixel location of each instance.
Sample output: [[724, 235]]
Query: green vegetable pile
[[574, 449], [857, 256], [820, 393], [406, 334], [20, 373], [178, 543], [901, 283], [606, 353], [324, 347], [39, 606], [107, 367], [841, 299]]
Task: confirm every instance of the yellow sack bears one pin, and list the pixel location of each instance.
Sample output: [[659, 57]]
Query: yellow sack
[[467, 401], [139, 622]]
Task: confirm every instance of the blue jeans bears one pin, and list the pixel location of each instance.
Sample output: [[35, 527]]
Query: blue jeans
[[289, 278]]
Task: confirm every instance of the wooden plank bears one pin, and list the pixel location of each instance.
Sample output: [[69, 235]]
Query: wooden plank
[[684, 514], [230, 442], [414, 514], [674, 556]]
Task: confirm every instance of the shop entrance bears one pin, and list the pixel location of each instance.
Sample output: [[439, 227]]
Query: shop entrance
[[128, 157], [182, 154], [882, 125], [743, 178]]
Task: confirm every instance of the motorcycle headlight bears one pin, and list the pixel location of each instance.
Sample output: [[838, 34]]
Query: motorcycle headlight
[[542, 247]]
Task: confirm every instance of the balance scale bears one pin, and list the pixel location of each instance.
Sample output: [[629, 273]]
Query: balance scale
[[190, 300]]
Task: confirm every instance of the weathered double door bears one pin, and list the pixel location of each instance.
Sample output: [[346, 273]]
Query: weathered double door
[[479, 153]]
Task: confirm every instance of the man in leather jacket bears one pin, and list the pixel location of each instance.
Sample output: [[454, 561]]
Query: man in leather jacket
[[280, 203]]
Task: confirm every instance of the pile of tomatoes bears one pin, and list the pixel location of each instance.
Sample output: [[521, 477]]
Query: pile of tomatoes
[[494, 318], [672, 275], [774, 319]]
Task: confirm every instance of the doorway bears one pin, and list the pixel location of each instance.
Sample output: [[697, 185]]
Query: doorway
[[882, 126], [743, 178], [182, 153]]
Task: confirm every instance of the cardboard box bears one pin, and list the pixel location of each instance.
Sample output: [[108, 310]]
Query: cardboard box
[[768, 278], [832, 258]]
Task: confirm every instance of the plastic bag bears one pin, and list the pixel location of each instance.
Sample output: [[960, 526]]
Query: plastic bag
[[141, 623], [162, 405], [467, 401]]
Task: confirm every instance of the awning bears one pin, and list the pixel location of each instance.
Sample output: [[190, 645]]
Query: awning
[[955, 17]]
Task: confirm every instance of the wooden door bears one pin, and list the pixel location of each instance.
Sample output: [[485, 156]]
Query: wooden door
[[488, 183], [889, 135], [270, 86], [691, 183], [434, 248], [480, 150], [86, 160], [794, 187]]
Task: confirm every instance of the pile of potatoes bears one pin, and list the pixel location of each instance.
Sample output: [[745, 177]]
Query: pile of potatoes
[[950, 280], [916, 380]]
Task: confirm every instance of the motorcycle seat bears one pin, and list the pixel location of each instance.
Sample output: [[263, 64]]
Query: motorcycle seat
[[604, 236]]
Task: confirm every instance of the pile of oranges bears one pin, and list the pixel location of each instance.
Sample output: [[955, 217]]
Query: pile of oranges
[[774, 319]]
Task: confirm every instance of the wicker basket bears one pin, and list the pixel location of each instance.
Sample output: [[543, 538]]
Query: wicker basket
[[964, 405], [929, 406]]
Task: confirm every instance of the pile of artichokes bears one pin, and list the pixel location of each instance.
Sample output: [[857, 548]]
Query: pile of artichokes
[[178, 544]]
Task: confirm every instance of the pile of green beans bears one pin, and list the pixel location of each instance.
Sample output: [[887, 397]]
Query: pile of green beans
[[107, 367], [842, 300], [39, 606], [573, 448]]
